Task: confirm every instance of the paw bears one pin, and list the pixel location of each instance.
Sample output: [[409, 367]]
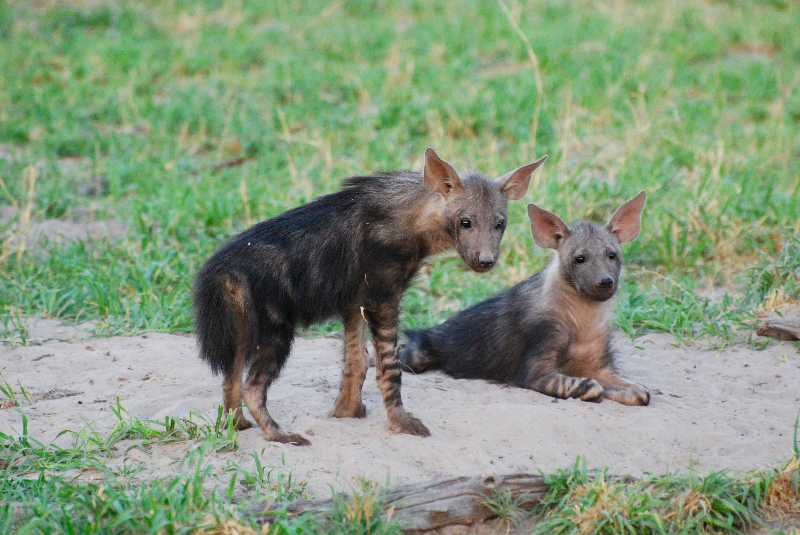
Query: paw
[[634, 395], [639, 394], [291, 438], [349, 410], [409, 425], [587, 390]]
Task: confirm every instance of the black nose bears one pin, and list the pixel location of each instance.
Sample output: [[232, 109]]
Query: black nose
[[485, 260], [606, 282]]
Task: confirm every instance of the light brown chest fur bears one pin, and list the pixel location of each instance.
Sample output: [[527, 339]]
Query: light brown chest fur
[[586, 354], [587, 322]]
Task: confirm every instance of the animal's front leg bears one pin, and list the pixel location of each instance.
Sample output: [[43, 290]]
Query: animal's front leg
[[618, 389], [563, 386], [383, 321], [349, 404]]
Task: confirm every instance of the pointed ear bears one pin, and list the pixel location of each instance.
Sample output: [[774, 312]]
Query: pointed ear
[[549, 231], [625, 223], [439, 176], [514, 185]]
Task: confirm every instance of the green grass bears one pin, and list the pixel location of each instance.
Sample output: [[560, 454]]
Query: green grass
[[41, 493], [697, 104], [205, 497], [578, 502], [189, 121], [9, 397], [716, 503], [35, 476]]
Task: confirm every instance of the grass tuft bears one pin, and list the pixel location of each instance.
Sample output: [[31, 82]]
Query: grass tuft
[[267, 482], [783, 494], [506, 507], [777, 281], [34, 476], [578, 503], [359, 513], [8, 397]]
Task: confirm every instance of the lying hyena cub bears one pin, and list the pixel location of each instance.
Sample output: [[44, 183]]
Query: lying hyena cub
[[550, 333]]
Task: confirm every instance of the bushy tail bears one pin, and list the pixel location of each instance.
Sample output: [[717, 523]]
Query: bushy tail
[[416, 356], [219, 323]]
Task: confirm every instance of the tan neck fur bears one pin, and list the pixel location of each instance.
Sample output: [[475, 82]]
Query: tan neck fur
[[429, 224], [586, 317]]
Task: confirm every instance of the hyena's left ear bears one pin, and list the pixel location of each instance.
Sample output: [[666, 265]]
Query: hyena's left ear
[[549, 231], [514, 185], [626, 221], [439, 176]]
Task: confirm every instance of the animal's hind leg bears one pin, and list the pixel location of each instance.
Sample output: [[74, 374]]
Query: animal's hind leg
[[232, 393], [349, 404], [618, 389], [270, 357], [383, 324], [232, 385], [563, 386]]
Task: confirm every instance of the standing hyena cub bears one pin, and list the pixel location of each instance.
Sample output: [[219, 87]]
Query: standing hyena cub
[[350, 255], [549, 333]]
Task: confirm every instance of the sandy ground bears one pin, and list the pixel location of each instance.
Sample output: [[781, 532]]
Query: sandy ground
[[733, 409]]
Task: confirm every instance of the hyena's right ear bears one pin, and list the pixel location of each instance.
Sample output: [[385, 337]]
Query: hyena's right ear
[[626, 221], [514, 185], [549, 231], [439, 176]]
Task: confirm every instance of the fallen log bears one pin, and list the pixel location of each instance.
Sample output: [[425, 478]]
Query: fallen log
[[781, 328], [440, 502]]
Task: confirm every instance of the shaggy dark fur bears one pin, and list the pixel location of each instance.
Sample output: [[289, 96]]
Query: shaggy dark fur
[[350, 255]]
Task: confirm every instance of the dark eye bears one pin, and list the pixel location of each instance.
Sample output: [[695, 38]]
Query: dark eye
[[612, 256], [501, 225], [466, 223], [580, 260]]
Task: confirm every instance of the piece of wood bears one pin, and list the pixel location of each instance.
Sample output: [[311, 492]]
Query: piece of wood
[[440, 502], [781, 328]]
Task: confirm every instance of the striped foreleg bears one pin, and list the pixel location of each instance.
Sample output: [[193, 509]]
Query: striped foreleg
[[563, 386], [383, 325]]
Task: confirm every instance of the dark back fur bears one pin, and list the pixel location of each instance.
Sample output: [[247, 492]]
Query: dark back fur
[[362, 244]]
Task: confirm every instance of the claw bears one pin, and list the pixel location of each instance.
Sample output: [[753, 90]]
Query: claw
[[409, 425], [292, 438]]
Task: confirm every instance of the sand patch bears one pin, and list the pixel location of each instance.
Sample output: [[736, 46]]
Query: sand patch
[[733, 409]]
